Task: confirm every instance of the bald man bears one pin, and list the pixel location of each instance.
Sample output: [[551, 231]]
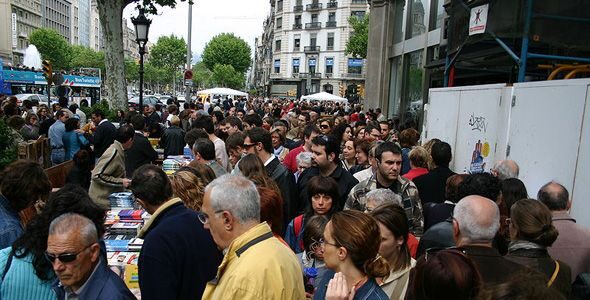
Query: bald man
[[505, 169], [476, 220]]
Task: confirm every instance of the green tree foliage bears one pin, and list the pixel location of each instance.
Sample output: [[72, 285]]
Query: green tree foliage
[[8, 144], [52, 46], [85, 57], [227, 76], [131, 71], [168, 53], [227, 49], [359, 37], [201, 76], [153, 75]]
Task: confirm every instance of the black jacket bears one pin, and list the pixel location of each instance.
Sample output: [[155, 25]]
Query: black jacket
[[178, 256], [103, 137], [437, 236], [344, 179], [494, 268], [140, 153], [435, 213], [285, 180], [173, 141], [431, 186]]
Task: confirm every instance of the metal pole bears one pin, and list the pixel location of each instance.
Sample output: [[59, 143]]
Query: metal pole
[[525, 40], [141, 53], [189, 55]]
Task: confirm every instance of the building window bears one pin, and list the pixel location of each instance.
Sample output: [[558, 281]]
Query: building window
[[295, 65], [413, 70], [296, 43], [278, 45], [438, 17], [358, 13], [277, 65], [314, 18], [313, 39], [332, 17], [355, 65], [330, 45], [312, 62], [279, 23], [417, 26], [280, 5], [298, 20], [329, 65]]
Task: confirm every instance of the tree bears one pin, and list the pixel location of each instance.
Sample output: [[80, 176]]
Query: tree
[[85, 57], [168, 54], [201, 76], [111, 20], [227, 49], [227, 76], [131, 71], [359, 37], [52, 46]]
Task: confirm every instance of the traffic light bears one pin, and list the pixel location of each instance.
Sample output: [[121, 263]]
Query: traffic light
[[361, 90], [342, 91], [47, 71]]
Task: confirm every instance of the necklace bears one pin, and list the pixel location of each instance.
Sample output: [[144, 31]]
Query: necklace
[[360, 283]]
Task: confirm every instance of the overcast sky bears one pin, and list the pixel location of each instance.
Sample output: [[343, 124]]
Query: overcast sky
[[210, 17]]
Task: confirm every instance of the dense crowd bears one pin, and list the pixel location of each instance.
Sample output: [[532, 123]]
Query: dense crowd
[[280, 200]]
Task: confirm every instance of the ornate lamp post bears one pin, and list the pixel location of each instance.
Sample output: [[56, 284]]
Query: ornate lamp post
[[142, 27]]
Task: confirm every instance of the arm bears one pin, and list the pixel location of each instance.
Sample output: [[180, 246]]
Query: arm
[[105, 167]]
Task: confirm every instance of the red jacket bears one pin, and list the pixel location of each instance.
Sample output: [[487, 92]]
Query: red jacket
[[290, 160]]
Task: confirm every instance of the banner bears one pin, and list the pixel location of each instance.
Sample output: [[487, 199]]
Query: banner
[[355, 62], [28, 77], [277, 63], [329, 61], [312, 62], [295, 62]]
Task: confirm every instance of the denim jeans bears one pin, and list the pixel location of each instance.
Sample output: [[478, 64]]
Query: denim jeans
[[58, 156]]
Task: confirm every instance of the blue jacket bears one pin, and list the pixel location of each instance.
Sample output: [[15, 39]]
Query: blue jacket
[[368, 291], [20, 281], [10, 227], [103, 284], [178, 256], [72, 142]]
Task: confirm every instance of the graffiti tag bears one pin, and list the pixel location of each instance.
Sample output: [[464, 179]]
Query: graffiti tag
[[478, 123]]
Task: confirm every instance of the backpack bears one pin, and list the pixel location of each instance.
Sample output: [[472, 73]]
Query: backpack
[[298, 228]]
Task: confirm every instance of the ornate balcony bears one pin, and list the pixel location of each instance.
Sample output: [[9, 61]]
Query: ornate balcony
[[330, 24], [332, 5], [313, 25], [311, 49], [298, 8], [313, 7], [297, 26]]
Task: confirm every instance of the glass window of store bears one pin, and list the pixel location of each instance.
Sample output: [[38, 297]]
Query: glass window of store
[[355, 65], [417, 24], [413, 90]]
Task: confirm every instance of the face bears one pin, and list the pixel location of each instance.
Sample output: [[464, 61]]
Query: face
[[384, 129], [240, 114], [336, 122], [249, 147], [375, 134], [33, 120], [321, 203], [215, 223], [276, 140], [246, 126], [390, 165], [301, 121], [347, 135], [325, 127], [232, 111], [303, 166], [308, 141], [348, 152], [282, 130], [319, 158], [331, 251], [361, 157], [64, 118], [390, 245], [72, 274], [95, 119], [361, 134], [235, 155]]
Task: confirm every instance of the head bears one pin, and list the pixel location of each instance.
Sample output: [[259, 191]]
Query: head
[[31, 119], [251, 121], [192, 135], [409, 138], [97, 116], [349, 151], [282, 126], [343, 131], [372, 132], [323, 196], [446, 274], [138, 122], [15, 122], [388, 156], [441, 154], [303, 160], [250, 165], [362, 149], [325, 151], [257, 141], [227, 216], [271, 209], [384, 127], [326, 126], [125, 135], [512, 191], [419, 157], [234, 146], [151, 187], [555, 196], [394, 229], [205, 123], [484, 185], [175, 120], [505, 169], [73, 249], [313, 233], [204, 150], [277, 138], [62, 115], [24, 173], [202, 171], [531, 220], [72, 124], [189, 188], [352, 239], [452, 187], [378, 197], [309, 133], [476, 220]]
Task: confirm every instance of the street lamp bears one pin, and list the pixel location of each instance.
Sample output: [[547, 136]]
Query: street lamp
[[142, 27]]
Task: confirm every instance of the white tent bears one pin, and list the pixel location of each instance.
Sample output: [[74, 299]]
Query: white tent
[[323, 96], [222, 91]]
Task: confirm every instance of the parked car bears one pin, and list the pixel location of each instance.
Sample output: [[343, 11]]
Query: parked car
[[147, 100]]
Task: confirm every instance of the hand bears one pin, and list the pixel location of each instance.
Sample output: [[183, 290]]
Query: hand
[[80, 131], [338, 288], [126, 182]]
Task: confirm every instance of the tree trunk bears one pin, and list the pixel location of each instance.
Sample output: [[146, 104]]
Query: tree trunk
[[111, 19]]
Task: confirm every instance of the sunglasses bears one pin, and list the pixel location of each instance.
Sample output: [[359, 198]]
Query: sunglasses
[[324, 126], [65, 257], [247, 146]]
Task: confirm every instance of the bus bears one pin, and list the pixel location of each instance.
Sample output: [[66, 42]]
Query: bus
[[83, 86]]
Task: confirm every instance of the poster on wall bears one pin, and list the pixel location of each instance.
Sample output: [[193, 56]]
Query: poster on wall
[[478, 19]]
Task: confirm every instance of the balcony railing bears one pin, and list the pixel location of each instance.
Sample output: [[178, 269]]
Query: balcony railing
[[298, 8], [330, 24], [297, 26], [332, 4], [313, 7], [359, 1], [311, 49], [353, 75], [313, 25], [312, 75], [276, 75]]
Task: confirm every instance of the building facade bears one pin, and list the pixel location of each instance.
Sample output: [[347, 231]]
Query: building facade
[[81, 23], [130, 47], [18, 18], [96, 39], [305, 41], [57, 14]]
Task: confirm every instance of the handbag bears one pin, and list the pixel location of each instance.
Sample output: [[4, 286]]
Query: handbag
[[554, 276]]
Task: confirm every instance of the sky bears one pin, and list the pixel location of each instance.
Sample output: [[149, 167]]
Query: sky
[[244, 18]]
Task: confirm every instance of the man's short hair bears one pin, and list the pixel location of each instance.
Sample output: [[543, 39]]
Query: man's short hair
[[235, 140], [98, 112], [419, 157], [483, 184], [441, 154], [253, 120], [69, 222], [205, 123], [151, 185], [387, 147], [330, 143], [205, 148], [223, 191], [303, 157], [475, 227], [309, 130], [175, 120], [370, 128], [234, 121], [554, 195], [194, 134], [506, 169], [261, 135], [124, 133], [138, 122], [381, 196]]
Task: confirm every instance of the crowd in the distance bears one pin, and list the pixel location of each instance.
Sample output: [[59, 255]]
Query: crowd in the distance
[[282, 200]]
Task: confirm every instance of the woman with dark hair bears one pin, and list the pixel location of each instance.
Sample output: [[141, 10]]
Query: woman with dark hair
[[278, 142], [271, 211], [120, 117], [343, 133], [326, 126], [30, 131], [81, 173], [512, 190], [394, 229], [362, 149], [312, 258], [351, 250], [322, 195], [73, 139], [445, 274], [348, 158], [30, 275], [531, 232]]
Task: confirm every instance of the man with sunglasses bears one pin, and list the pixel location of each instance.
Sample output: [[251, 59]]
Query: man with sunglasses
[[178, 256], [74, 254]]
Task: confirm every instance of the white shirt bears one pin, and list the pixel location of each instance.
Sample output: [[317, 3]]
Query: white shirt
[[272, 156]]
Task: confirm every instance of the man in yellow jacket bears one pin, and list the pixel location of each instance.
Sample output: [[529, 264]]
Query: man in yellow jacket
[[256, 265]]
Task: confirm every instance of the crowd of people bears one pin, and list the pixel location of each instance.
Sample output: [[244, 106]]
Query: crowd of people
[[281, 200]]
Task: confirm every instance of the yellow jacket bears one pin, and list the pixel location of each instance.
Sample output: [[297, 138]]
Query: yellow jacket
[[257, 266]]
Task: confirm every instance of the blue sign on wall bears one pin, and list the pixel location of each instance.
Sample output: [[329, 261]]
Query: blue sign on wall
[[28, 77], [277, 63], [329, 61], [295, 62], [355, 62], [312, 62]]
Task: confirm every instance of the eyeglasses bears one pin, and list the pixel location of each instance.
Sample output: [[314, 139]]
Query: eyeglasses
[[324, 126], [204, 218], [65, 257], [247, 146], [323, 243]]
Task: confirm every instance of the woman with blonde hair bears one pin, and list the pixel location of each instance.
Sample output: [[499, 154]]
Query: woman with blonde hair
[[189, 188]]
